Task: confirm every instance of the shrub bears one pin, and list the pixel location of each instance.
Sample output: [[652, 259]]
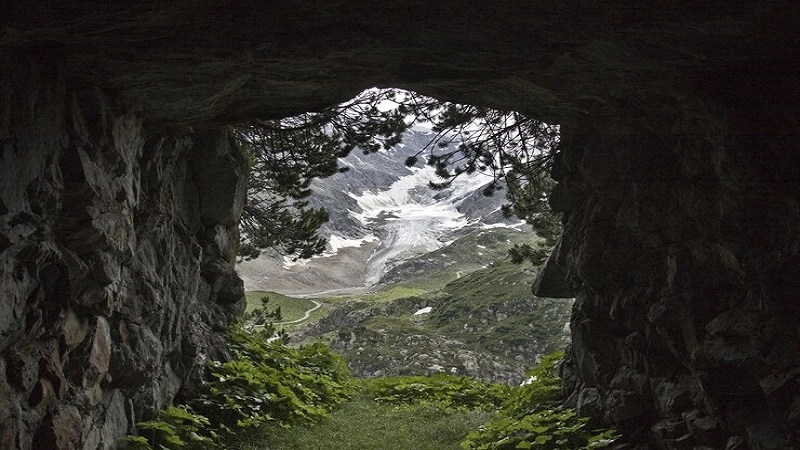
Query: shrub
[[444, 391], [531, 418], [175, 428], [262, 382], [268, 381]]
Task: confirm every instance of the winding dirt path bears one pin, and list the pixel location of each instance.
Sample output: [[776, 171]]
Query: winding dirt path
[[317, 305]]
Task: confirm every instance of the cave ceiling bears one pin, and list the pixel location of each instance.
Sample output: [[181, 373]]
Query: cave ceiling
[[198, 63]]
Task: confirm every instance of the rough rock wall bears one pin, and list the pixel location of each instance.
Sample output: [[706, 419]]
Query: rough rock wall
[[682, 233], [116, 282]]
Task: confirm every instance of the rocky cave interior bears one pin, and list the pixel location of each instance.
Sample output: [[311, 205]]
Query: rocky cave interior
[[678, 177]]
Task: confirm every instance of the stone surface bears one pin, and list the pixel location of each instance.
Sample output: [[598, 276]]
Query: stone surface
[[678, 180], [551, 281], [687, 270], [110, 271]]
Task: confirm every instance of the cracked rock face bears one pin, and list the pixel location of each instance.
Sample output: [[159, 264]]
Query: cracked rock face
[[687, 317], [117, 282], [678, 178]]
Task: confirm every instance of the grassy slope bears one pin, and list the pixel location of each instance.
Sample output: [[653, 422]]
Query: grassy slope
[[475, 307], [363, 424], [291, 308], [489, 310]]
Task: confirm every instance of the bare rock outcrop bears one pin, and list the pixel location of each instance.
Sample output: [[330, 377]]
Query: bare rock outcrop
[[686, 262], [117, 245]]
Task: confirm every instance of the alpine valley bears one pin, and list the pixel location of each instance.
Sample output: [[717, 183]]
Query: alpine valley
[[415, 280]]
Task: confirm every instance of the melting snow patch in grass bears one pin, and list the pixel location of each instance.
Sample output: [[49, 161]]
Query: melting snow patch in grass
[[424, 310]]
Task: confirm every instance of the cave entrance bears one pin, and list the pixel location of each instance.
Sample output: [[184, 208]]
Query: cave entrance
[[429, 242]]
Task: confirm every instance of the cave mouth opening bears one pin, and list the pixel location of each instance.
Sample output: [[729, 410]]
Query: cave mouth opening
[[450, 148], [409, 183]]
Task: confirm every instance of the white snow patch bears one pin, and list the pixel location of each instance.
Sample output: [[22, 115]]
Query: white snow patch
[[415, 217], [489, 226], [337, 242], [425, 310], [288, 262]]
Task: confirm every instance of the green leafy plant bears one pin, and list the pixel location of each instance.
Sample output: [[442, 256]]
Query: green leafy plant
[[541, 390], [446, 392], [531, 418], [556, 428], [175, 428], [263, 382], [268, 381]]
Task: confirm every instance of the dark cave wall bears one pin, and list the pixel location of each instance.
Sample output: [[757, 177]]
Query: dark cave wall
[[116, 250], [686, 250]]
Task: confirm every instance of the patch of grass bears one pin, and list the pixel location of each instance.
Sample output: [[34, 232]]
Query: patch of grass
[[363, 424], [395, 325], [435, 281], [321, 312], [392, 293], [447, 392], [464, 255], [494, 309], [292, 308]]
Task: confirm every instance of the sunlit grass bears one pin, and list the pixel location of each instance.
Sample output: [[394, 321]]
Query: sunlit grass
[[413, 288], [291, 308], [393, 293], [363, 424]]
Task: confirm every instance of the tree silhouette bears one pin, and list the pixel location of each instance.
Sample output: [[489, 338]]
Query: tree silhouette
[[287, 154], [514, 150]]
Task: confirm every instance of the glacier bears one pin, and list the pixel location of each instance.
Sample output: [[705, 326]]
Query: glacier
[[412, 218]]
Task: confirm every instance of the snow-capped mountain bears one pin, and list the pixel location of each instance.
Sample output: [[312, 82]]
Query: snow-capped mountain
[[382, 213]]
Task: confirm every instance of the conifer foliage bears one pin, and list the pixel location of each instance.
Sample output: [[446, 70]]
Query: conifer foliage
[[514, 150]]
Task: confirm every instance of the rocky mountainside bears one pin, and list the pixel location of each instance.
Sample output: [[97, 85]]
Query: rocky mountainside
[[485, 325], [462, 309], [380, 185], [382, 213]]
